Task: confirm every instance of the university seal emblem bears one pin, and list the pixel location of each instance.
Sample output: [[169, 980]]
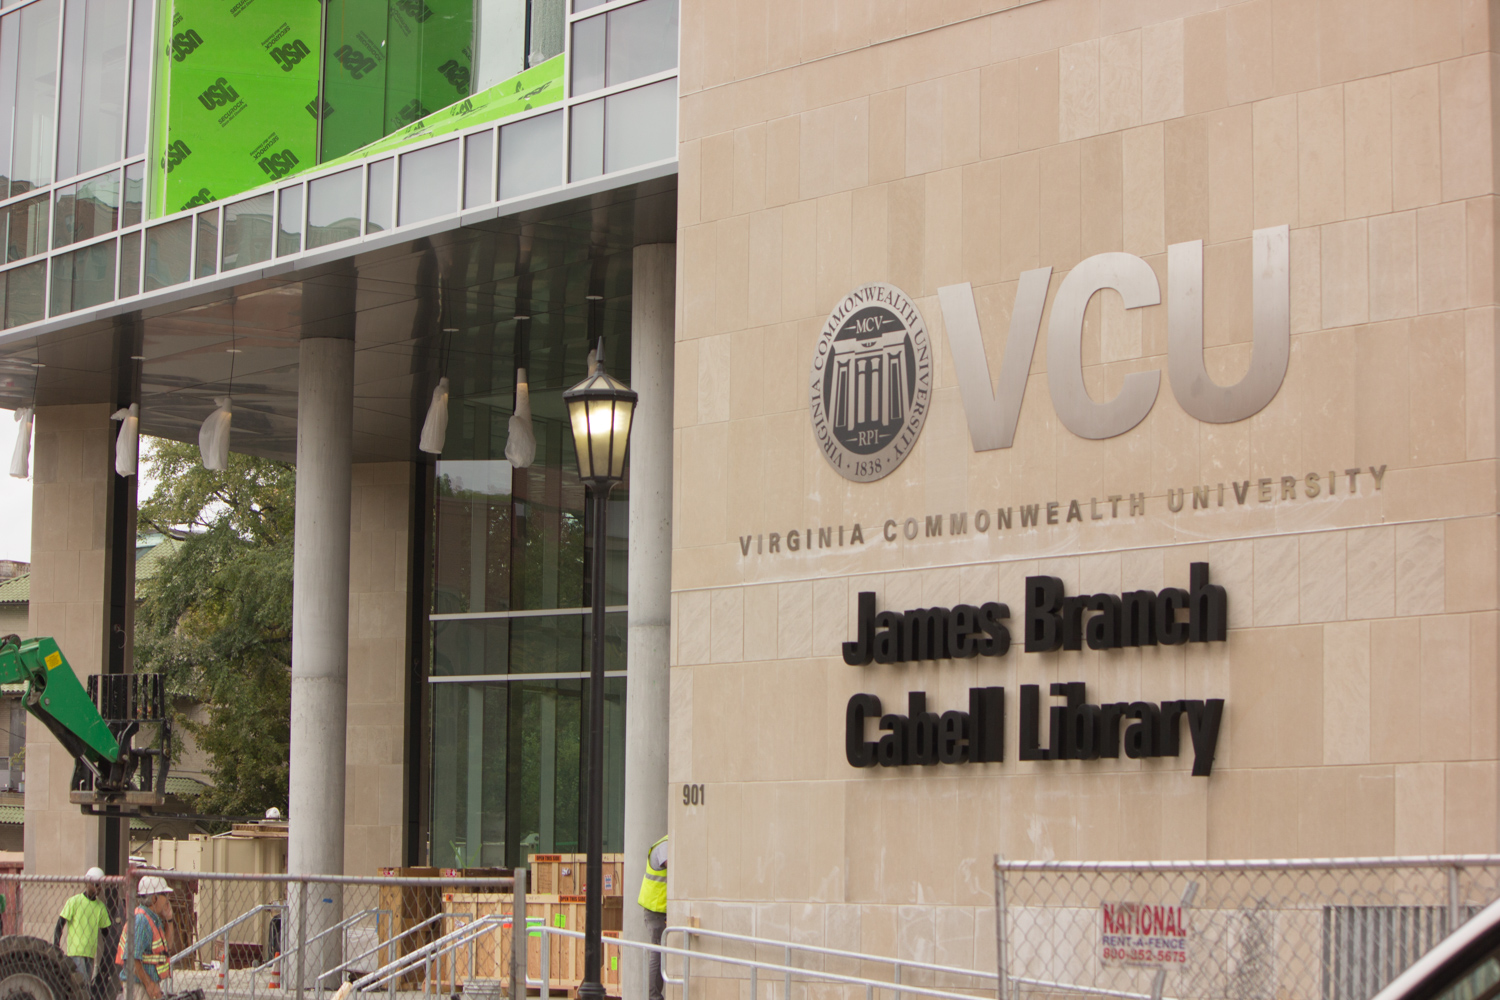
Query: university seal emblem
[[871, 382]]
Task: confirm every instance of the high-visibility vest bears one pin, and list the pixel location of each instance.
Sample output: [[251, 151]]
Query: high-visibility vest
[[654, 886], [158, 955]]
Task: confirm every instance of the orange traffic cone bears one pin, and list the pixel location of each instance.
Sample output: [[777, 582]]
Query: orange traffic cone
[[275, 983], [222, 966]]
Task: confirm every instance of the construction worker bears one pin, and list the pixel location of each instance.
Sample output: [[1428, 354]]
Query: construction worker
[[653, 900], [149, 952], [85, 918]]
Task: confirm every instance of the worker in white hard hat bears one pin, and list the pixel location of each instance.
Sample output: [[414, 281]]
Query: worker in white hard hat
[[149, 953], [85, 919]]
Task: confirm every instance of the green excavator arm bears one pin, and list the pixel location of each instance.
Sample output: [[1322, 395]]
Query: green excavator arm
[[112, 775]]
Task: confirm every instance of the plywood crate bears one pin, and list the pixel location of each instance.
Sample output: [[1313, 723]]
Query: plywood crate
[[409, 905], [489, 958], [563, 874]]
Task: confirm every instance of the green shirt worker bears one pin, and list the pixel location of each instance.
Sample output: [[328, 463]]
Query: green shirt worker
[[149, 954], [653, 899], [84, 918]]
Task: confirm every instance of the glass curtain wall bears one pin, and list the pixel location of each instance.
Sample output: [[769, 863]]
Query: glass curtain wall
[[511, 584]]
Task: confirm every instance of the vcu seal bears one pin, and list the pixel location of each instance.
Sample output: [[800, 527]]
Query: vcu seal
[[871, 382]]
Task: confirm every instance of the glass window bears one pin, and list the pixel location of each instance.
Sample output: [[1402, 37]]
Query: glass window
[[289, 235], [87, 209], [429, 183], [130, 264], [382, 183], [206, 251], [140, 78], [548, 21], [579, 6], [640, 126], [499, 41], [167, 249], [25, 294], [642, 40], [135, 189], [35, 100], [333, 207], [96, 40], [247, 231], [531, 155], [83, 278], [587, 153], [479, 157], [26, 229], [588, 55]]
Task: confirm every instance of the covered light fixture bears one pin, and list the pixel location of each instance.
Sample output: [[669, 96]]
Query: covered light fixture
[[213, 436], [20, 459], [127, 442], [435, 427], [520, 441], [600, 409]]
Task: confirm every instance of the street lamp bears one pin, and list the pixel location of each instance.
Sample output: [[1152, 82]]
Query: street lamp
[[600, 409]]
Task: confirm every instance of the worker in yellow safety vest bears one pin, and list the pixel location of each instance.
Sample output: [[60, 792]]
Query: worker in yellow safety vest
[[653, 900], [149, 953]]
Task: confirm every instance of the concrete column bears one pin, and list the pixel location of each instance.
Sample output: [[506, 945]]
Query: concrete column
[[380, 654], [320, 629], [648, 692], [72, 463]]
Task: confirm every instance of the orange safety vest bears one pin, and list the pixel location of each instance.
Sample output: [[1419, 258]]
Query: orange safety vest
[[158, 955]]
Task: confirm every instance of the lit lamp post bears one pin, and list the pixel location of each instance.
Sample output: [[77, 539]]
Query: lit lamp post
[[600, 409]]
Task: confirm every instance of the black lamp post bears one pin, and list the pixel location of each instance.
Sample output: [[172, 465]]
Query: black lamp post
[[600, 409]]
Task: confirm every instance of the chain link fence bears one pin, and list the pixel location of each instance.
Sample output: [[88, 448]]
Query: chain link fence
[[1336, 929]]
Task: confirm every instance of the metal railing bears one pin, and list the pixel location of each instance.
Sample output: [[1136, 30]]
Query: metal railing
[[388, 944]]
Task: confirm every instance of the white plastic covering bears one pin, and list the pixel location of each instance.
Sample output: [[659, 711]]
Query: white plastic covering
[[213, 436], [520, 444], [20, 459], [127, 442], [435, 427]]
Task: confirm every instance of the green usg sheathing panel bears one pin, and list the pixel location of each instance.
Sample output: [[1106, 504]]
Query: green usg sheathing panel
[[391, 63], [536, 87], [240, 79]]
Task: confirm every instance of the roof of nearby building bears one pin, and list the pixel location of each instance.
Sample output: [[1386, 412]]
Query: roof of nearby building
[[151, 551], [16, 590]]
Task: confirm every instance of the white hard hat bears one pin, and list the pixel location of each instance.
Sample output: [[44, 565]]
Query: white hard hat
[[152, 885], [94, 874]]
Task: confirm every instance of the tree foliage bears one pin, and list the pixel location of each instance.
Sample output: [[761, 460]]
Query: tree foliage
[[216, 618]]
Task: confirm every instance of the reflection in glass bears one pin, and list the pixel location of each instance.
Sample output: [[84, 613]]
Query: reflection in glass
[[479, 156], [95, 51], [130, 264], [586, 157], [548, 21], [135, 189], [640, 126], [429, 183], [26, 229], [539, 644], [588, 55], [83, 278], [207, 247], [333, 208], [289, 234], [25, 294], [642, 40], [382, 183], [508, 770], [167, 248], [247, 232], [86, 209], [35, 100], [140, 78], [531, 155]]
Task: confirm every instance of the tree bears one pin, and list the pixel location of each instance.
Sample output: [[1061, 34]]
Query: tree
[[216, 619]]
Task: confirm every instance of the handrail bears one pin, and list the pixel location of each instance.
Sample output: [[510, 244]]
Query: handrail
[[388, 943], [405, 962], [835, 952], [222, 930], [344, 924]]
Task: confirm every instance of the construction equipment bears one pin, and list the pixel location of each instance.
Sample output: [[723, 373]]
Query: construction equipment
[[117, 730]]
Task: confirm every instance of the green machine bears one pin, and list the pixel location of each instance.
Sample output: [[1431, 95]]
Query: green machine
[[100, 726]]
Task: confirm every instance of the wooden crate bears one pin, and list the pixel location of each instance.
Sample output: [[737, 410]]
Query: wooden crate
[[409, 905], [563, 874], [489, 958]]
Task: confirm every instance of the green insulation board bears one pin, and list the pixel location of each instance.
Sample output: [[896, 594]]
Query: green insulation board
[[240, 86], [538, 86]]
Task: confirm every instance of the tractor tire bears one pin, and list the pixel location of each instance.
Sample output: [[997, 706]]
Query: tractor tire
[[33, 969]]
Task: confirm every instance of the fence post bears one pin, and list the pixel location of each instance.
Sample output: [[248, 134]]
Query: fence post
[[129, 955], [1453, 898], [518, 936], [1001, 986], [301, 938]]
